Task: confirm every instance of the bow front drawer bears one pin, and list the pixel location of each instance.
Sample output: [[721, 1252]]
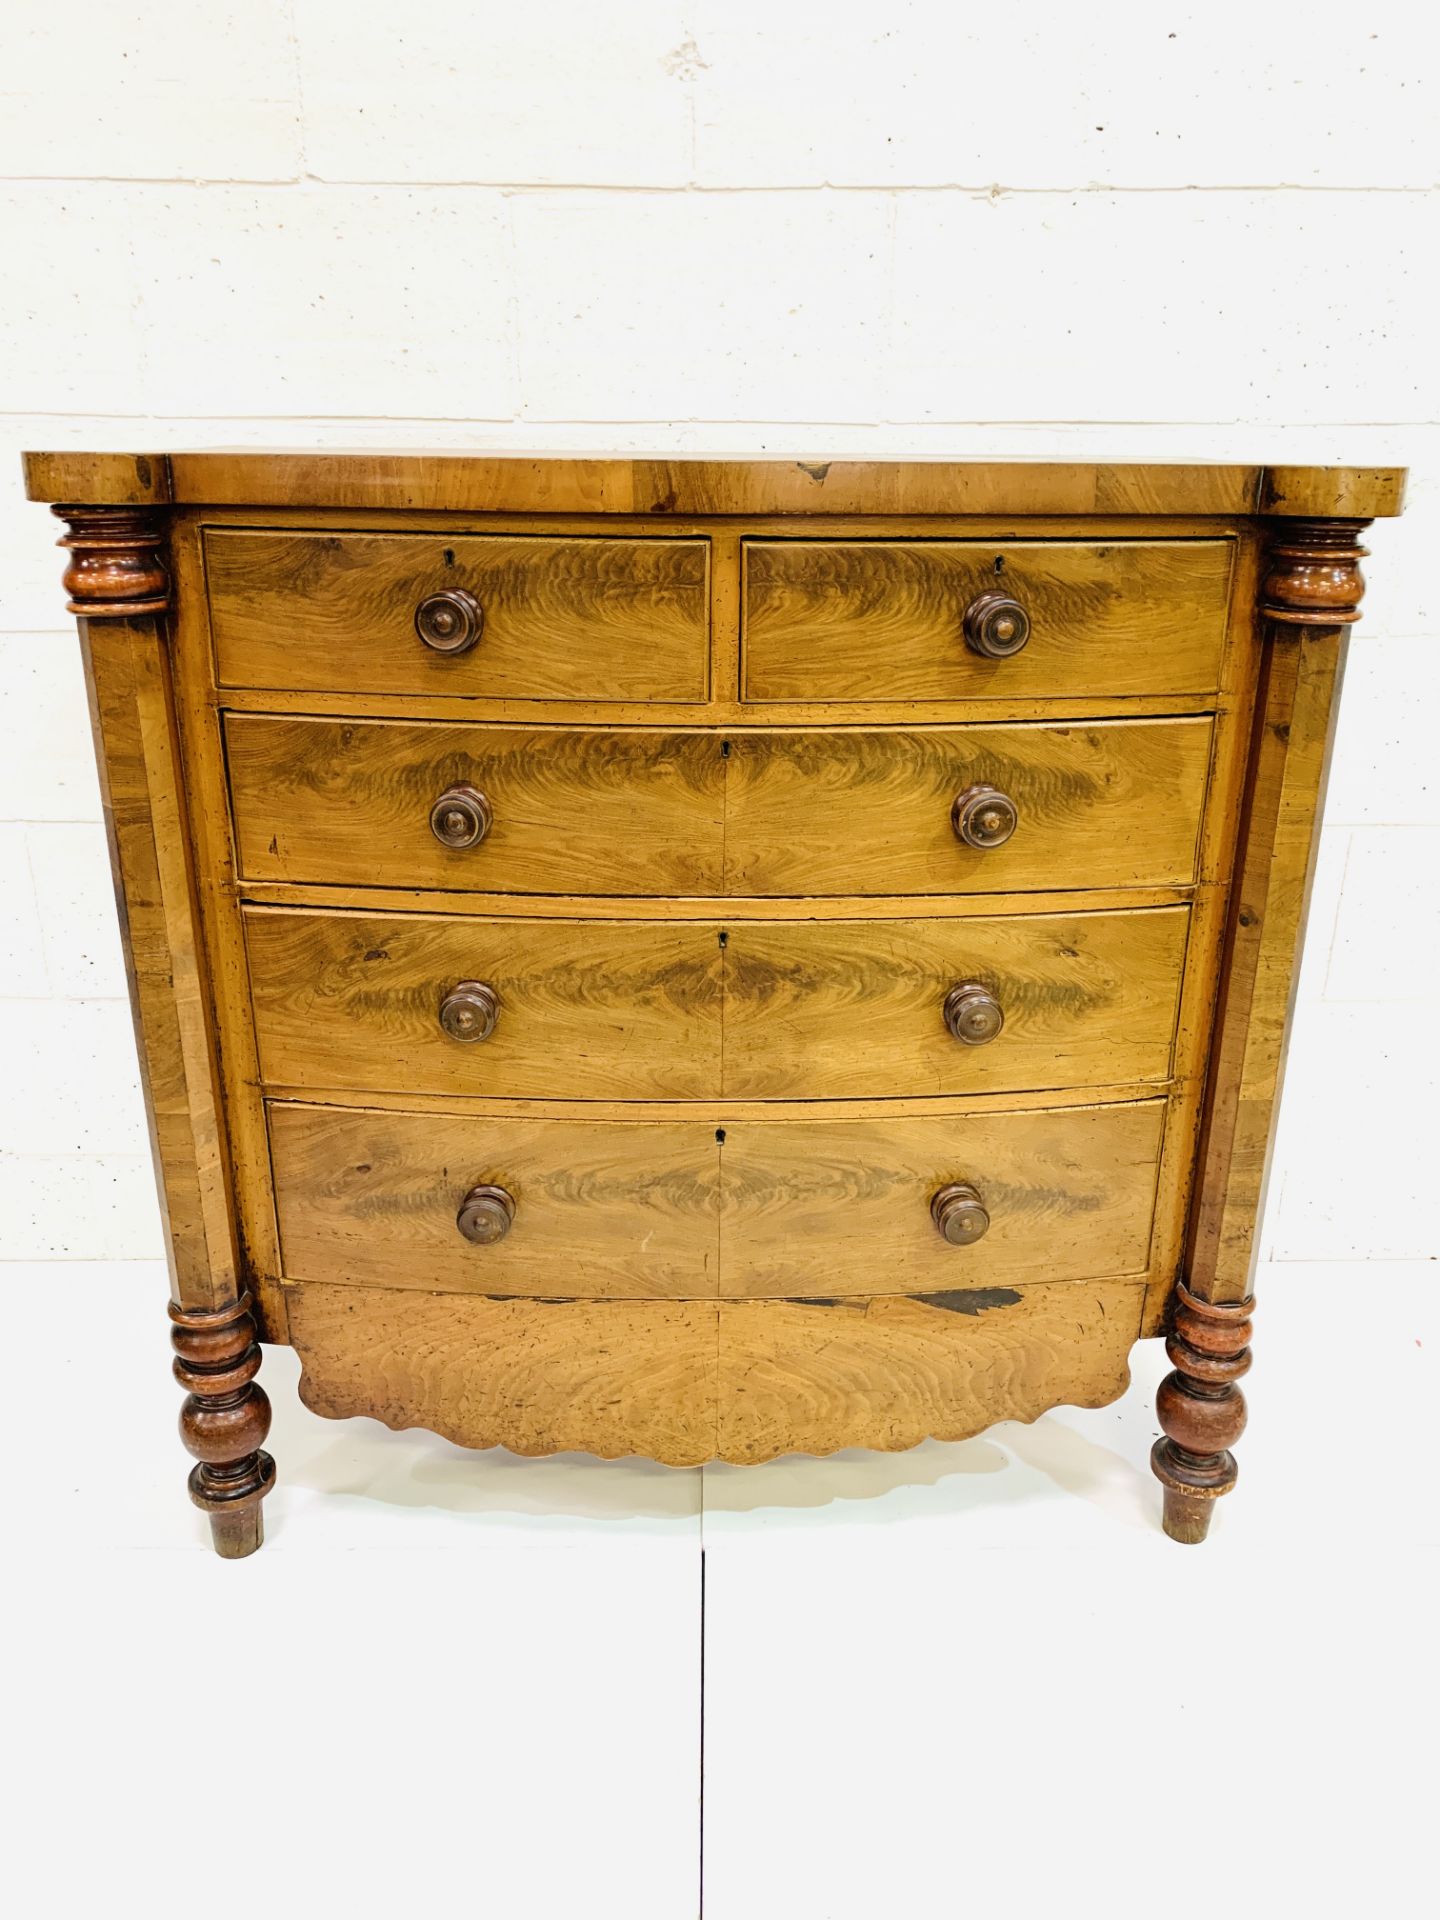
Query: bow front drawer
[[494, 810], [403, 1003], [505, 616], [692, 1210], [937, 620]]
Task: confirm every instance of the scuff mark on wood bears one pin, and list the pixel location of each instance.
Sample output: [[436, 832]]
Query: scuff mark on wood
[[971, 1299]]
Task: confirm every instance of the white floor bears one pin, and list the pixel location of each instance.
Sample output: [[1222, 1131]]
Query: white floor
[[928, 1677]]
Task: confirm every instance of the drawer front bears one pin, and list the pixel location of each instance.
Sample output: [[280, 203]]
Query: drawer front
[[1113, 804], [684, 1210], [611, 1010], [858, 620], [395, 1003], [848, 1009], [602, 1210], [843, 1207], [350, 802], [508, 616]]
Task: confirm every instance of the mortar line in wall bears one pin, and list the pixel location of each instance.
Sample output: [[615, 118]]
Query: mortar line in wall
[[985, 190], [727, 421]]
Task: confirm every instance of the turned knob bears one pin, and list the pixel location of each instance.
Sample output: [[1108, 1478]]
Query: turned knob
[[461, 817], [996, 626], [449, 621], [960, 1214], [485, 1215], [469, 1010], [973, 1014], [984, 817]]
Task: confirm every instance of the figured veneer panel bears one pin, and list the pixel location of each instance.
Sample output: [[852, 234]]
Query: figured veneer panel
[[838, 1207], [1099, 804], [836, 1009], [591, 812], [685, 1209], [864, 620], [587, 1009], [562, 619], [628, 811], [636, 1010], [683, 1382], [807, 1376], [628, 1210], [607, 1377]]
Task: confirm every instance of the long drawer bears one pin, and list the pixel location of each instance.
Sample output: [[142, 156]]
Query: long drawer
[[966, 809], [823, 1208], [505, 616], [865, 620], [646, 1010]]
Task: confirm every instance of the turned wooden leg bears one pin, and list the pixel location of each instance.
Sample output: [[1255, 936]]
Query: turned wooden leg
[[1201, 1409], [223, 1421]]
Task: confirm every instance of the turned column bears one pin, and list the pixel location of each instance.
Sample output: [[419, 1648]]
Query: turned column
[[1310, 598], [119, 591]]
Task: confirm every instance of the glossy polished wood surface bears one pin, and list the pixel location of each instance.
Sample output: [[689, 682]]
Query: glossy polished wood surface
[[596, 619], [649, 1209], [863, 620], [559, 483], [711, 957], [636, 1010]]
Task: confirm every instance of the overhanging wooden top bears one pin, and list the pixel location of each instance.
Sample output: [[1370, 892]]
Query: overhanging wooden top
[[562, 483]]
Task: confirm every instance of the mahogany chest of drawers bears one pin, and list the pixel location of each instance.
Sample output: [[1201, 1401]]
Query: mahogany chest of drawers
[[709, 959]]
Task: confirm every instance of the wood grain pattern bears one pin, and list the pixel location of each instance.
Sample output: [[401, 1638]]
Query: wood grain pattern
[[595, 620], [842, 1207], [525, 483], [575, 811], [602, 1210], [865, 620], [127, 671], [799, 1377], [606, 1377], [688, 1209], [839, 1009], [690, 1381], [1312, 596], [613, 1010], [616, 1010], [1102, 804]]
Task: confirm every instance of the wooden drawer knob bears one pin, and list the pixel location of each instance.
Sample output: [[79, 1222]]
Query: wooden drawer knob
[[461, 817], [469, 1010], [450, 621], [973, 1014], [996, 626], [960, 1214], [485, 1215], [984, 817]]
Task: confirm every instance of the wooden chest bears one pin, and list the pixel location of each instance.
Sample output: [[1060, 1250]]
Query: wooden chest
[[708, 959]]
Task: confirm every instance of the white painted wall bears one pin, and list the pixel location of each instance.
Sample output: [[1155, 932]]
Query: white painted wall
[[1178, 232]]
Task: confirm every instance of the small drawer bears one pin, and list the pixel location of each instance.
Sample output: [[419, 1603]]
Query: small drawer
[[495, 616], [970, 809], [745, 1209], [562, 1009], [897, 620], [476, 809]]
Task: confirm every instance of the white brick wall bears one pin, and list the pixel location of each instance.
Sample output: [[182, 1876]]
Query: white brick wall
[[1194, 231]]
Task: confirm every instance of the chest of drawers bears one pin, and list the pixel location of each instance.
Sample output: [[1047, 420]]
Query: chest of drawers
[[709, 959]]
